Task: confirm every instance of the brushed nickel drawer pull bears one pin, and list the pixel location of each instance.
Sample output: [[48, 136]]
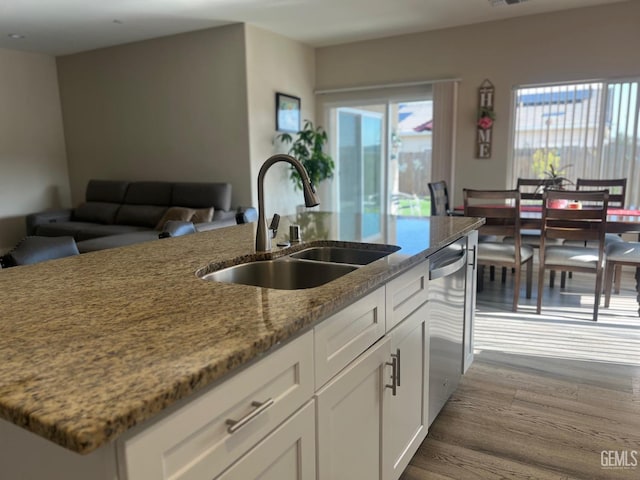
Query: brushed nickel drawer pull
[[234, 425], [394, 374], [398, 357]]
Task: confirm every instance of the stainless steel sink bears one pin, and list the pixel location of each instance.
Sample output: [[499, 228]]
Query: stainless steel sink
[[283, 274], [349, 255]]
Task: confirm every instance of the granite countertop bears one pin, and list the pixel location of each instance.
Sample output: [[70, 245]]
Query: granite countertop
[[94, 344]]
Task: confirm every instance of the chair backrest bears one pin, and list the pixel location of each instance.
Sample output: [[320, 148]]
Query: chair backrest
[[501, 210], [617, 189], [439, 198], [533, 188], [587, 223]]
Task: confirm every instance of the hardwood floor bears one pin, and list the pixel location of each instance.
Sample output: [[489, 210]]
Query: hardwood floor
[[546, 394]]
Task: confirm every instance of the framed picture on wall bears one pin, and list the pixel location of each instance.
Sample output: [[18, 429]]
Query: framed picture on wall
[[287, 113]]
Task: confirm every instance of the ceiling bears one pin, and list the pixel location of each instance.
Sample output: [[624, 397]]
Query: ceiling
[[60, 27]]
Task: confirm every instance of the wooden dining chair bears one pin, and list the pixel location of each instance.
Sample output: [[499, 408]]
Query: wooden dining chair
[[588, 223], [501, 209], [618, 254]]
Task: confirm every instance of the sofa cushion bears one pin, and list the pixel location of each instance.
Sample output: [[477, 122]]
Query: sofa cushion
[[140, 215], [199, 195], [181, 214], [112, 191], [56, 229], [94, 230], [114, 241], [149, 193], [97, 212], [202, 215]]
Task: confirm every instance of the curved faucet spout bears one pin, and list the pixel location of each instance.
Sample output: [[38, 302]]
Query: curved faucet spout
[[263, 237]]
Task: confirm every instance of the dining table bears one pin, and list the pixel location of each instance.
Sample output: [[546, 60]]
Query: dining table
[[619, 221]]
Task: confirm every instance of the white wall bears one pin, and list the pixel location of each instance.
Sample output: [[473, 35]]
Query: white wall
[[172, 108], [33, 166], [575, 44], [275, 64]]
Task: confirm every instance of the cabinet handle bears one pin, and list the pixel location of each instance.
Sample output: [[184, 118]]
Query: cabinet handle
[[394, 375], [234, 425], [397, 355]]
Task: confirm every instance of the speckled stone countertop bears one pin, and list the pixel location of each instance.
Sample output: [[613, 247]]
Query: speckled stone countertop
[[94, 344]]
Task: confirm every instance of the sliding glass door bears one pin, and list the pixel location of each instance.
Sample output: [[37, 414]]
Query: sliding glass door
[[383, 159], [360, 164]]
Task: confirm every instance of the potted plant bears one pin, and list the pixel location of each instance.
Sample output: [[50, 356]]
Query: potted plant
[[555, 179], [308, 147]]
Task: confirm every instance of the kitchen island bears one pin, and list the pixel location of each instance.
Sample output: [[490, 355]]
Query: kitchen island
[[94, 345]]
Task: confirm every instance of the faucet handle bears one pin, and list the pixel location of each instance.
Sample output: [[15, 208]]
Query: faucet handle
[[275, 221]]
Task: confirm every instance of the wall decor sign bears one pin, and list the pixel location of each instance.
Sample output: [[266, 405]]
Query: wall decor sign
[[486, 117], [287, 113]]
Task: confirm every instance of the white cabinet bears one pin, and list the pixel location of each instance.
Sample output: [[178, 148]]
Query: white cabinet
[[372, 416], [470, 299], [289, 453], [343, 336], [405, 421], [200, 440], [350, 410]]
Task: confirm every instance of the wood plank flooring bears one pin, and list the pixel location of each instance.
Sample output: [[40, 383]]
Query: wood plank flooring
[[545, 395]]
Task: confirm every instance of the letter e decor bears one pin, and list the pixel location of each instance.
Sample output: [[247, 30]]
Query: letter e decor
[[486, 116]]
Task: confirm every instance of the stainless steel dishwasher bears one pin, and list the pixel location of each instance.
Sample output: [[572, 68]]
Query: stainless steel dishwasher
[[447, 277]]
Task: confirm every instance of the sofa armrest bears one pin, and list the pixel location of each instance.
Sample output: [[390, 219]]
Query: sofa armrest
[[49, 216], [246, 215]]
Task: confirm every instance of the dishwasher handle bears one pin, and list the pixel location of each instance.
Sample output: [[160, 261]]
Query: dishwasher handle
[[449, 266]]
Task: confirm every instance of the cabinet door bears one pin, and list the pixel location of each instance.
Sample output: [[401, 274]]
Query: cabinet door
[[405, 421], [349, 418], [470, 300], [289, 453]]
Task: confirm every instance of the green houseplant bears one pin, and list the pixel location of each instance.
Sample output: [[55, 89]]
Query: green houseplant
[[308, 147]]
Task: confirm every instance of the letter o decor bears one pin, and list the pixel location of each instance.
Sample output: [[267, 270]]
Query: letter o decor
[[486, 116]]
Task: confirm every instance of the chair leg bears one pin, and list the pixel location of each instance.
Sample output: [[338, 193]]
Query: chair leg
[[598, 293], [529, 276], [540, 289], [480, 278], [516, 289], [608, 280], [552, 278], [563, 279], [492, 273], [618, 279], [504, 275]]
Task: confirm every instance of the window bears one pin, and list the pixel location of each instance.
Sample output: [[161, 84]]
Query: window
[[587, 130]]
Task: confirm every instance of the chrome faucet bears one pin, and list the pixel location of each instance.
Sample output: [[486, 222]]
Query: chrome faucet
[[264, 235]]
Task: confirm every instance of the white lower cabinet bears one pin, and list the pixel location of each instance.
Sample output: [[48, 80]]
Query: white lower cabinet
[[289, 453], [405, 420], [350, 411]]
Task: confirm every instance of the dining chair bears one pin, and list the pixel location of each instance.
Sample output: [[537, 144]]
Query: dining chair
[[531, 190], [588, 223], [501, 209], [618, 254], [439, 198]]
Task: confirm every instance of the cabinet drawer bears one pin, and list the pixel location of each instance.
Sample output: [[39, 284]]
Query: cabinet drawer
[[287, 453], [193, 442], [348, 333], [407, 292]]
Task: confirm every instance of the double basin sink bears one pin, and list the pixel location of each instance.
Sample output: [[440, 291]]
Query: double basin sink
[[308, 268]]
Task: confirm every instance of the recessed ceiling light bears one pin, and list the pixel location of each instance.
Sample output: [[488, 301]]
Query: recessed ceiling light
[[15, 36]]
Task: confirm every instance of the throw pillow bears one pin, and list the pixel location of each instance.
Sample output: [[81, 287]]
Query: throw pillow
[[180, 214], [202, 215]]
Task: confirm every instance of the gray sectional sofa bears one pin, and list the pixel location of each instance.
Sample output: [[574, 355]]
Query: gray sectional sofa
[[117, 213]]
